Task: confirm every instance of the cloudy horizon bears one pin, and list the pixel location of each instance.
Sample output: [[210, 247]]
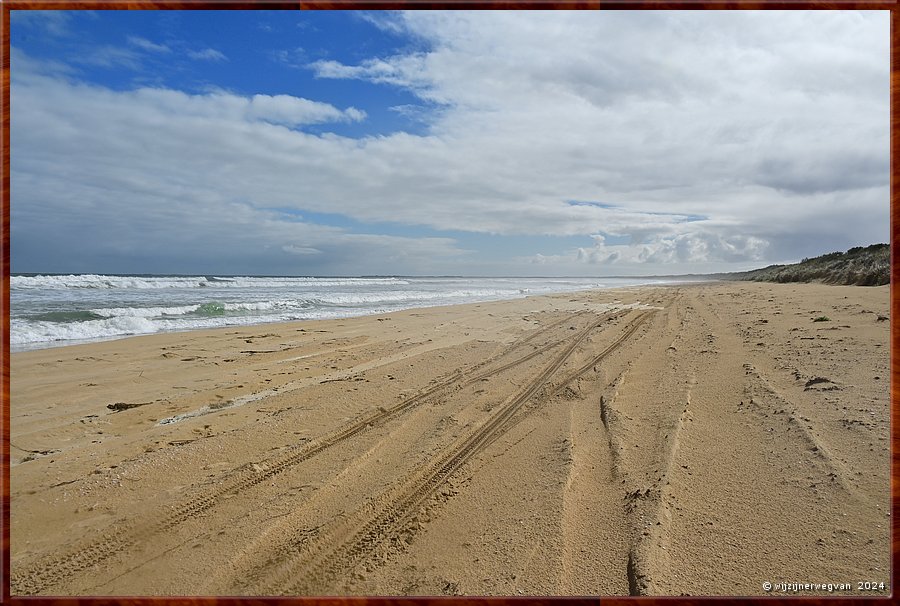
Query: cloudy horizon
[[445, 143]]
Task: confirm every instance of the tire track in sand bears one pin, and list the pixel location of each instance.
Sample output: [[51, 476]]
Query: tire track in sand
[[641, 468], [649, 552], [51, 570], [330, 554], [591, 523]]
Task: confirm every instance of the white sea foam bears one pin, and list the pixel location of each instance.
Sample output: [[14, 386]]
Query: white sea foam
[[57, 310], [156, 282], [101, 281], [414, 296], [145, 312], [28, 333], [23, 332], [270, 305]]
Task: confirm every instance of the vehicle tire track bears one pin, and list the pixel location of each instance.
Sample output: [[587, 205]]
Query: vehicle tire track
[[648, 556], [353, 541], [632, 328], [122, 537]]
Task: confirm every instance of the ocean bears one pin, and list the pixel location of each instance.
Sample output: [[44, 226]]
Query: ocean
[[55, 310]]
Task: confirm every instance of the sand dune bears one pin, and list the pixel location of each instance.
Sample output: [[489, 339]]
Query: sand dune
[[699, 440]]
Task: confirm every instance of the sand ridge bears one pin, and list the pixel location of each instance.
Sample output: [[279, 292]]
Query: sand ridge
[[632, 441]]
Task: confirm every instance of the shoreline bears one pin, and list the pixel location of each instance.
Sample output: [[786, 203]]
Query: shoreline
[[38, 345], [259, 325], [646, 437]]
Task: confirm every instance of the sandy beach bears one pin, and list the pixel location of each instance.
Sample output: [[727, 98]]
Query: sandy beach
[[701, 439]]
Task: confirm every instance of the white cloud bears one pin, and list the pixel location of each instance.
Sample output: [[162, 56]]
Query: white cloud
[[26, 67], [55, 23], [301, 250], [708, 137], [282, 110], [191, 178], [409, 71], [694, 246], [714, 114], [208, 54], [292, 111], [147, 45], [110, 57], [295, 57], [386, 21]]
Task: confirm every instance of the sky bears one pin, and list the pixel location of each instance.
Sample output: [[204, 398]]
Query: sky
[[445, 142]]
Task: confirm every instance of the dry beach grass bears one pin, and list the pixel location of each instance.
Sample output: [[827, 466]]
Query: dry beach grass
[[695, 439]]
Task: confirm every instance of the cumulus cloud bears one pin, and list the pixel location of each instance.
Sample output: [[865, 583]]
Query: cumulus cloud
[[157, 103], [696, 246], [707, 137], [165, 193], [288, 110], [724, 115], [408, 71]]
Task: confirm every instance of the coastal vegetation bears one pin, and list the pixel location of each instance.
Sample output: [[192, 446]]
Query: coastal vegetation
[[860, 266]]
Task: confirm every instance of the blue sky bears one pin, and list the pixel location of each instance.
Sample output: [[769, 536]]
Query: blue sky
[[480, 143]]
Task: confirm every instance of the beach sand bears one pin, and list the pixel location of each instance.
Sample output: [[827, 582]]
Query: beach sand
[[699, 439]]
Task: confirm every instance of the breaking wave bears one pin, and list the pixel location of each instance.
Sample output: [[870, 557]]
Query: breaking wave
[[52, 310], [156, 282]]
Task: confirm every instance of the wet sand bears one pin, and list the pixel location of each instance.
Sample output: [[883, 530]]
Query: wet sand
[[699, 439]]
